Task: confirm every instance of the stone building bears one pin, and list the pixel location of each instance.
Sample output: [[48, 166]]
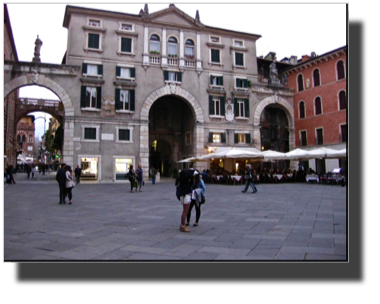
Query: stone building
[[155, 88], [320, 104], [10, 53]]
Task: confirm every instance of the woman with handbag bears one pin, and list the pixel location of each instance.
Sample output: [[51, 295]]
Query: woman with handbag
[[69, 183], [248, 176]]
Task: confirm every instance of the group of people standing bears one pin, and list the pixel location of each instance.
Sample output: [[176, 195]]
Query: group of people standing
[[66, 182], [136, 178], [191, 193]]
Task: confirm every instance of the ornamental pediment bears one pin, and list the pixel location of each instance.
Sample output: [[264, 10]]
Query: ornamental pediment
[[173, 16]]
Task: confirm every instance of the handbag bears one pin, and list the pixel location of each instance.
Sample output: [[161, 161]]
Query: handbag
[[203, 200]]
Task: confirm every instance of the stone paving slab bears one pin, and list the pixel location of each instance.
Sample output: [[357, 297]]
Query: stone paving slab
[[294, 222]]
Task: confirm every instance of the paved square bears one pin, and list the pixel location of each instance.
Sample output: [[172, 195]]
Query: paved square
[[288, 221]]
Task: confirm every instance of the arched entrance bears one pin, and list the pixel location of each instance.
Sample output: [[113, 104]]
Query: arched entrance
[[160, 157], [68, 108], [173, 115]]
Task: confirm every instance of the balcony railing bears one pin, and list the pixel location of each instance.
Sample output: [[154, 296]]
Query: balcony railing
[[173, 61], [190, 63], [155, 59]]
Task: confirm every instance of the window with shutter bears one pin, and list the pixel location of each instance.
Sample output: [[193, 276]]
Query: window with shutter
[[90, 133], [246, 107], [132, 100], [239, 59], [215, 56], [93, 41], [126, 45], [99, 97], [223, 137], [248, 138], [210, 137]]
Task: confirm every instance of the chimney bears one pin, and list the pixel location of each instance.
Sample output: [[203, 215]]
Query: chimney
[[305, 58], [293, 60]]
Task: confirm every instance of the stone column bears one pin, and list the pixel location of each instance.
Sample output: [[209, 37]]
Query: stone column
[[181, 50], [68, 142], [144, 149], [164, 43], [199, 146], [199, 61], [146, 46]]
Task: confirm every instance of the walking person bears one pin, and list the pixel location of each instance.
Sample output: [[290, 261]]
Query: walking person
[[198, 193], [61, 179], [139, 177], [77, 173], [10, 172], [33, 170], [131, 177], [28, 170], [153, 173], [69, 183], [183, 184], [248, 176]]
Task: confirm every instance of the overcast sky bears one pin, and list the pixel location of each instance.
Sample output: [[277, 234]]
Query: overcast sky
[[286, 29]]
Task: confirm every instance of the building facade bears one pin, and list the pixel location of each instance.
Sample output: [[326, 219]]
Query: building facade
[[25, 136], [155, 88], [320, 104], [10, 53]]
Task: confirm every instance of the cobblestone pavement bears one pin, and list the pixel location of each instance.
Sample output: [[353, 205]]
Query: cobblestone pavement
[[288, 221]]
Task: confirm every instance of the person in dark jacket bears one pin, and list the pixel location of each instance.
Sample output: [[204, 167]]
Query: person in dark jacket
[[132, 177], [248, 176], [77, 172], [61, 179]]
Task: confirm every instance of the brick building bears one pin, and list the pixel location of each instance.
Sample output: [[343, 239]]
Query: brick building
[[25, 136], [320, 104], [10, 53]]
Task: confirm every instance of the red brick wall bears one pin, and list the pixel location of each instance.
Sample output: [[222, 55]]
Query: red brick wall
[[331, 117]]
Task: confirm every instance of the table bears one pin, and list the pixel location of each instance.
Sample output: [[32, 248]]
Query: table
[[312, 177]]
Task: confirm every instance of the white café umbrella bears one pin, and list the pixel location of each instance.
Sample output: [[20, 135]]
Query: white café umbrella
[[270, 155], [298, 154], [337, 154], [324, 152], [233, 153]]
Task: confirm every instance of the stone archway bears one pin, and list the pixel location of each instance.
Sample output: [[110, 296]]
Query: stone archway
[[289, 111], [43, 81], [196, 109]]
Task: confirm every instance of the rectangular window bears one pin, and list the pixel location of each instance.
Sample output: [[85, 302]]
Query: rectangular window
[[126, 45], [124, 134], [239, 59], [217, 105], [126, 27], [90, 133], [319, 140], [214, 39], [241, 83], [216, 138], [303, 139], [124, 100], [125, 72], [215, 56], [93, 41], [238, 43], [95, 23], [241, 138], [343, 133], [241, 108], [91, 97], [216, 80], [173, 76], [92, 69]]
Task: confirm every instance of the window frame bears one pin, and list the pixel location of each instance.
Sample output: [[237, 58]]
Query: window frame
[[235, 63], [99, 68], [220, 79], [345, 100], [188, 138], [301, 141], [298, 83], [121, 45], [155, 41], [192, 47], [211, 57], [244, 81], [172, 44], [132, 71], [240, 105], [319, 78], [319, 142], [320, 105], [126, 23], [338, 71], [304, 109], [131, 100], [340, 133], [118, 140], [96, 127]]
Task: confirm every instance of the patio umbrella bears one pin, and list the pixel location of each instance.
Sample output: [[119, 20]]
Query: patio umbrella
[[233, 153], [187, 160], [270, 155], [325, 153], [337, 154], [298, 154]]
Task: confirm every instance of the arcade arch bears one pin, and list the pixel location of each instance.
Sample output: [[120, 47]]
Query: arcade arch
[[35, 79], [184, 134]]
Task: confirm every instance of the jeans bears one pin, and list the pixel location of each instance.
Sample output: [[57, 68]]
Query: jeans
[[249, 182], [197, 211], [153, 180], [62, 192]]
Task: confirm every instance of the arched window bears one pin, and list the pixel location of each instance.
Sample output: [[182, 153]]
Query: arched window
[[340, 69], [318, 105], [189, 48], [18, 138], [342, 100], [316, 78], [300, 83], [23, 138], [154, 43], [302, 109], [172, 46]]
